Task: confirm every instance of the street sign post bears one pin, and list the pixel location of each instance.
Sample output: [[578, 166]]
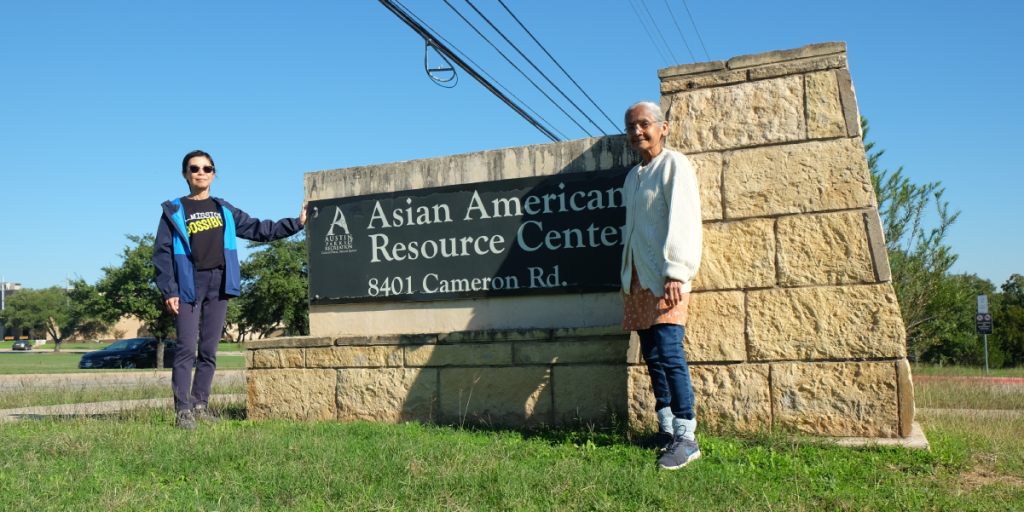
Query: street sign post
[[983, 324]]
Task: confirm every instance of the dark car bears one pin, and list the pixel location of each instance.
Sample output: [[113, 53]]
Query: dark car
[[21, 345], [133, 353]]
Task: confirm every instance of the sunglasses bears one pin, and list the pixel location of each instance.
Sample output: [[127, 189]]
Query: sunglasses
[[208, 169]]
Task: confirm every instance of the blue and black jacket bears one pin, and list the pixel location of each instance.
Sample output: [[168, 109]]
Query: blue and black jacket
[[172, 255]]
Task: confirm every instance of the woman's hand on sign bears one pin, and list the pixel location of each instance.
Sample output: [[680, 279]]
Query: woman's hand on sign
[[673, 292], [302, 214], [172, 305]]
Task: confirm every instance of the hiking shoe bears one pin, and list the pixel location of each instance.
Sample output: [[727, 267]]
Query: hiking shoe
[[202, 413], [659, 441], [679, 453], [185, 420]]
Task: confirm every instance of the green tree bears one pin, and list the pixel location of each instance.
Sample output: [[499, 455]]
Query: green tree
[[1008, 319], [954, 328], [275, 287], [130, 289], [232, 318], [63, 314], [918, 257]]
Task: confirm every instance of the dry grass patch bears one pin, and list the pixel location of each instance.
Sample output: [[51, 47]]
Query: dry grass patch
[[968, 395]]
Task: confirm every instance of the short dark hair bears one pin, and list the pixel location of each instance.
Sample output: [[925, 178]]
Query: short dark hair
[[193, 154]]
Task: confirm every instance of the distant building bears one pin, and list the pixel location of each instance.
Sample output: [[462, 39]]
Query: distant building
[[9, 290]]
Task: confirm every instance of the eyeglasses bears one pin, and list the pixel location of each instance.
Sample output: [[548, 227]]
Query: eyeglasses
[[643, 125], [208, 169]]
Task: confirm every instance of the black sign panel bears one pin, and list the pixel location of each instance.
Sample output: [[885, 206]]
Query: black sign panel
[[983, 322], [542, 235]]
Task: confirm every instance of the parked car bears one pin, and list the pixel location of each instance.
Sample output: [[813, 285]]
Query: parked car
[[133, 353], [22, 345]]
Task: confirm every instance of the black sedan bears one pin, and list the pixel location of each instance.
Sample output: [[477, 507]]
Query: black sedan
[[22, 345], [133, 353]]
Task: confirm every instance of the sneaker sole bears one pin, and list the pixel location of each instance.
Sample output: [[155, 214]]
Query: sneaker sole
[[695, 456]]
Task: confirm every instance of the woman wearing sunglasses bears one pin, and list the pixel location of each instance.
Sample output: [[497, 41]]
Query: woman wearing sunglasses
[[196, 263]]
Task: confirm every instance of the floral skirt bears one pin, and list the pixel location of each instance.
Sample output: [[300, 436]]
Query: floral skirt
[[643, 309]]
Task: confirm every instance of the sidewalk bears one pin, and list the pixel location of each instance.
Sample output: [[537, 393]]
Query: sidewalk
[[98, 409]]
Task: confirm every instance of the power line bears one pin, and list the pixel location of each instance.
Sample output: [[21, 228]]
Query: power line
[[644, 25], [448, 53], [517, 68], [655, 23], [514, 47], [559, 66], [680, 32], [471, 61], [697, 31]]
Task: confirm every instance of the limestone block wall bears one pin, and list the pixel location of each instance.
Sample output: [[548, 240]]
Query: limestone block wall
[[794, 323], [510, 377], [794, 320]]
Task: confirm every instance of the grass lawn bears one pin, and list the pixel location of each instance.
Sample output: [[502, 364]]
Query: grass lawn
[[20, 363], [138, 461], [30, 396]]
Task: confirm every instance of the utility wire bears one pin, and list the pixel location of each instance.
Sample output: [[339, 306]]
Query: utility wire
[[517, 68], [644, 25], [510, 93], [559, 66], [680, 32], [527, 59], [697, 31], [448, 53], [655, 23]]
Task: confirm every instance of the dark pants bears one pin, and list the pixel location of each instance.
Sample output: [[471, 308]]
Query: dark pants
[[662, 348], [202, 321]]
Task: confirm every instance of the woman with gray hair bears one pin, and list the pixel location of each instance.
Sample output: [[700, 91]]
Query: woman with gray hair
[[663, 239]]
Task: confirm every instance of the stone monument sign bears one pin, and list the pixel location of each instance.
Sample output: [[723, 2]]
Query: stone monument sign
[[483, 287]]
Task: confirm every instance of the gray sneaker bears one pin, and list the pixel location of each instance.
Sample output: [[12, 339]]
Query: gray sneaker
[[659, 441], [679, 453], [202, 413], [185, 420]]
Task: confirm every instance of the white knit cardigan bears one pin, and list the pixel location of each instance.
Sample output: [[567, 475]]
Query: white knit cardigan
[[663, 236]]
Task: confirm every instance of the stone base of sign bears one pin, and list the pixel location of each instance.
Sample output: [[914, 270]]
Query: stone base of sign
[[793, 322], [561, 377]]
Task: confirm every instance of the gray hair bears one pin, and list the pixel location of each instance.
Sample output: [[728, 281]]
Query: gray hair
[[655, 112]]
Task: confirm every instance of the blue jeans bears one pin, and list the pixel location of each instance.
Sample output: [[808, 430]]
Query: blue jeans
[[662, 348]]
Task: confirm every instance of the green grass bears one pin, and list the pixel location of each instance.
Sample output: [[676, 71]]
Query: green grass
[[965, 371], [138, 461], [995, 443], [30, 396], [22, 363]]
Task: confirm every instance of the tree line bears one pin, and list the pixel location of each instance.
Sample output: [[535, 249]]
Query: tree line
[[938, 306], [274, 287]]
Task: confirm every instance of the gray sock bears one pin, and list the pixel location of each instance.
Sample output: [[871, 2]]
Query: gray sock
[[684, 428], [665, 419]]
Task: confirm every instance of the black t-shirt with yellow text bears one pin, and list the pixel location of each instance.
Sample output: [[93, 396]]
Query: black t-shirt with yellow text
[[205, 232]]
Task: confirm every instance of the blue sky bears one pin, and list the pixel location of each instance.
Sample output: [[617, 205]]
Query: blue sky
[[99, 101]]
